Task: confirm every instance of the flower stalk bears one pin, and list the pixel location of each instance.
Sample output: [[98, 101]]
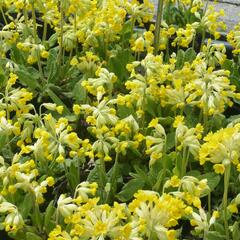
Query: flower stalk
[[158, 26], [225, 198]]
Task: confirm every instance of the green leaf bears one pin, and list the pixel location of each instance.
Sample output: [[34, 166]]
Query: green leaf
[[17, 55], [79, 93], [29, 77], [2, 77], [219, 228], [124, 111], [233, 118], [58, 101], [213, 179], [26, 205], [235, 231], [180, 59], [16, 235], [52, 67], [52, 40], [135, 151], [117, 64], [189, 55], [73, 176], [166, 120], [178, 165], [129, 189], [127, 27], [170, 140], [93, 175], [3, 141], [32, 236], [37, 217], [194, 173], [213, 235], [114, 173], [48, 215], [151, 107]]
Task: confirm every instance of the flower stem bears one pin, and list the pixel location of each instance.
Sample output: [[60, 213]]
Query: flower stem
[[35, 36], [3, 15], [158, 26], [44, 31], [34, 24], [61, 35], [184, 162], [209, 203], [225, 198], [113, 179]]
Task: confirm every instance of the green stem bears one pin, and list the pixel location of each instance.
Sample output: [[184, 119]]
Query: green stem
[[158, 26], [167, 53], [75, 30], [132, 26], [34, 24], [102, 173], [61, 35], [193, 41], [189, 12], [113, 180], [44, 31], [205, 122], [205, 235], [203, 38], [6, 101], [206, 7], [35, 36], [209, 203], [164, 158], [186, 162], [184, 158], [225, 198], [57, 217], [25, 21], [3, 15]]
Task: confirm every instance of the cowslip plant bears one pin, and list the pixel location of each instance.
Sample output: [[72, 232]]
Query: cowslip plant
[[109, 126], [221, 148]]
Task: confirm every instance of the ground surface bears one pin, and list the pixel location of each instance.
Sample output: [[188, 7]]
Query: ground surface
[[231, 8]]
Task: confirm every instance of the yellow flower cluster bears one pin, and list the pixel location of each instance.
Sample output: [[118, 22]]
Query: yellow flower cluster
[[23, 176], [196, 84], [151, 118], [233, 38], [190, 189], [221, 148], [13, 219], [147, 215]]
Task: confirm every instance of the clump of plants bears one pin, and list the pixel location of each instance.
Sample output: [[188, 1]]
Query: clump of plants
[[113, 126]]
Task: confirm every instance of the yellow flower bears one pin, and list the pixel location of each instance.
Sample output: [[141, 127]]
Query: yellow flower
[[238, 167], [12, 189], [175, 181], [138, 45], [59, 109], [60, 159], [233, 208], [178, 120], [31, 59], [50, 181], [171, 234], [153, 122], [76, 109], [219, 168], [74, 61], [44, 54]]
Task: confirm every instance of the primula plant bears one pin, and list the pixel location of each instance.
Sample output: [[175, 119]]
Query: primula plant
[[118, 125]]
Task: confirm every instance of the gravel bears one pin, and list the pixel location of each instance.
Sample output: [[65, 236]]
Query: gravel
[[231, 8]]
